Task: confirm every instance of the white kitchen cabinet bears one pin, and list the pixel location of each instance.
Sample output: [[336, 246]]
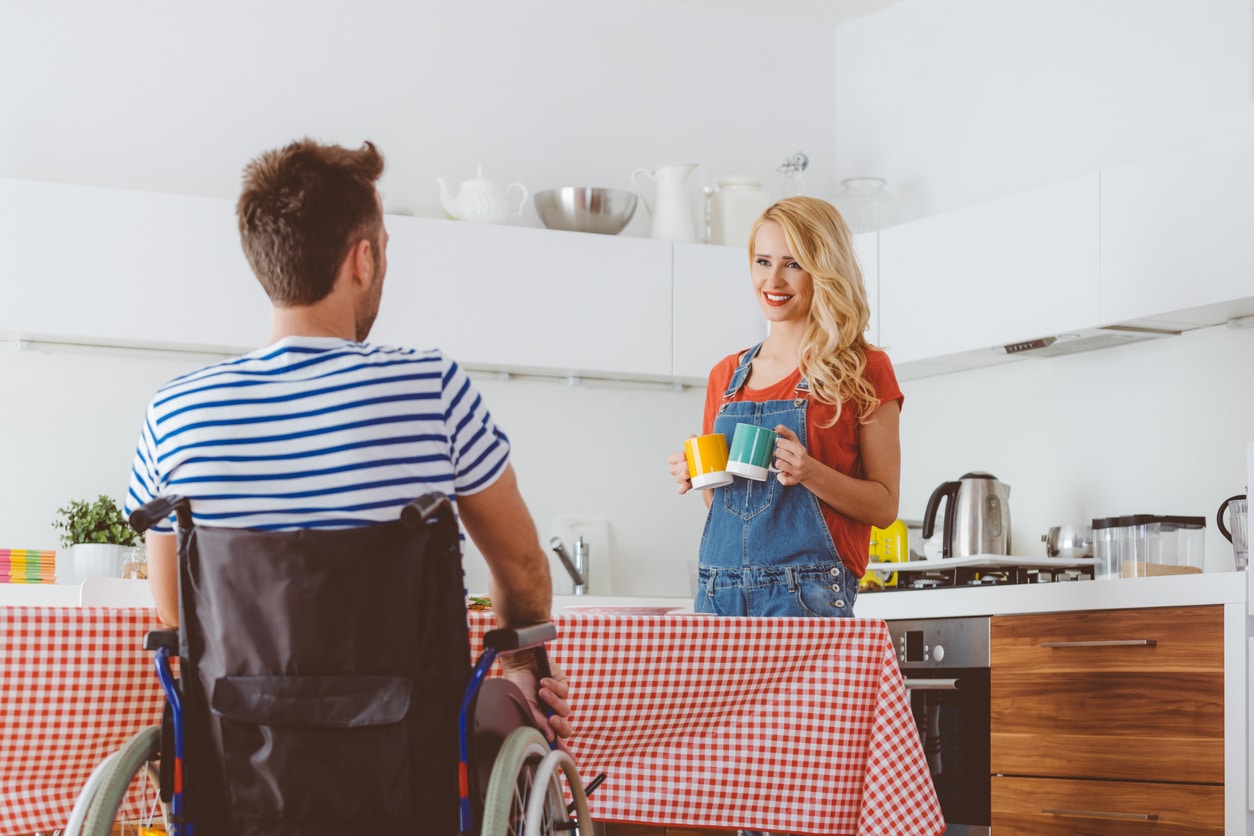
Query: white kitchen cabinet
[[1000, 272], [110, 266], [529, 299], [716, 311], [1176, 236], [866, 246]]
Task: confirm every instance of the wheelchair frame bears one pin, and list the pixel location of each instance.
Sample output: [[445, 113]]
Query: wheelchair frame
[[525, 783]]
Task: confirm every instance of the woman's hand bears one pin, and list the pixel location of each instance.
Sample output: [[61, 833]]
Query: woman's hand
[[791, 458], [678, 464], [554, 690]]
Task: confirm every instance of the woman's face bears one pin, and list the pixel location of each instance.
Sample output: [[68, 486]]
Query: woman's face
[[783, 289]]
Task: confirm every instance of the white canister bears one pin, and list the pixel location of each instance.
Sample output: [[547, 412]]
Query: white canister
[[734, 207]]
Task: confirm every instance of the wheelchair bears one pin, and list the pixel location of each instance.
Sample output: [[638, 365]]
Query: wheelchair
[[319, 672]]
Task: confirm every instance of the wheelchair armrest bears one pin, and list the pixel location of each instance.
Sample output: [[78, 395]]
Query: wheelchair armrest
[[506, 639], [169, 639]]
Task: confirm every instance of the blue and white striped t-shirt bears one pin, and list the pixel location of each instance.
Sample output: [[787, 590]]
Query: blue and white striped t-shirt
[[315, 433]]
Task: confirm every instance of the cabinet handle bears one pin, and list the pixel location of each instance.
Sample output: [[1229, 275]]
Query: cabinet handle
[[1100, 814], [1111, 643]]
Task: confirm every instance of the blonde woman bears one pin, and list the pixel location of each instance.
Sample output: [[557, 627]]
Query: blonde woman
[[796, 544]]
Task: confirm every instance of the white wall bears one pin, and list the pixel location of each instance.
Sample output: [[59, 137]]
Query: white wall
[[959, 101], [1156, 427], [956, 102], [178, 97], [72, 416]]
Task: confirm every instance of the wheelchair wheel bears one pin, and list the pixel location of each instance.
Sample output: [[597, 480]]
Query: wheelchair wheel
[[131, 779], [524, 795]]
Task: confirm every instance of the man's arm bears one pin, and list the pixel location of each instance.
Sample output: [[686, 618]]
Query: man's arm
[[163, 575], [499, 523]]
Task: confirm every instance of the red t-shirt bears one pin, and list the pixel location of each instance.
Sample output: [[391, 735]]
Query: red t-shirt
[[836, 446]]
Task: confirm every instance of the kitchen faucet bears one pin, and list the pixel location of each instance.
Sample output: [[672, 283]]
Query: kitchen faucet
[[576, 567]]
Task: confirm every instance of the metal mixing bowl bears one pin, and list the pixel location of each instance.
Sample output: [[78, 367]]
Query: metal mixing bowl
[[586, 209]]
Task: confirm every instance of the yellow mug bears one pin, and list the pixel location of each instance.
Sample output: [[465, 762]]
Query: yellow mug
[[707, 461]]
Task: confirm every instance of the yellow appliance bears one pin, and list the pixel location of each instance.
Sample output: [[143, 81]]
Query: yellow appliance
[[888, 545]]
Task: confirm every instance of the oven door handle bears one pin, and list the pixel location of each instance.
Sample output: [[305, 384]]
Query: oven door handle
[[921, 684]]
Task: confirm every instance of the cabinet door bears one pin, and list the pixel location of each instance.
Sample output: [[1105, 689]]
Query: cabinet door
[[133, 268], [1013, 269], [1123, 694], [716, 311], [528, 299], [1176, 235], [866, 246]]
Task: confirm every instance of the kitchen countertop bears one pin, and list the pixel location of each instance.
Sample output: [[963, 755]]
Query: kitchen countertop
[[1121, 593], [1118, 593]]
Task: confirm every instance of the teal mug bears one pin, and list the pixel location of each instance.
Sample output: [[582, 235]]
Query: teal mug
[[752, 452]]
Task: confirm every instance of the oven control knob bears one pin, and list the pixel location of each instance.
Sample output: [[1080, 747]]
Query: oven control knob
[[938, 653]]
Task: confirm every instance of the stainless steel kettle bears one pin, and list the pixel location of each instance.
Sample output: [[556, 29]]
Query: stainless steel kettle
[[977, 516]]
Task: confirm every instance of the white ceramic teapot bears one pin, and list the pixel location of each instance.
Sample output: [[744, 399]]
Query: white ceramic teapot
[[481, 201]]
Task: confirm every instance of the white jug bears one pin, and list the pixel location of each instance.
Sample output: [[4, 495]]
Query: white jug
[[672, 212], [481, 201], [737, 203]]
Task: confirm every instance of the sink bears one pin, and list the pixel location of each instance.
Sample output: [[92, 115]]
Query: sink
[[561, 602]]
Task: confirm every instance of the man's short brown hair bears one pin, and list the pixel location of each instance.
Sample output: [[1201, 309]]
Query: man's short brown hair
[[301, 210]]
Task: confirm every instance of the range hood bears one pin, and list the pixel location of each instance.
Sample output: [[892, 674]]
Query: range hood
[[1090, 339]]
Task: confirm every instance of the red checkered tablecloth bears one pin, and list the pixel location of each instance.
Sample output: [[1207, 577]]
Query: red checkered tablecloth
[[75, 684], [784, 724], [794, 725]]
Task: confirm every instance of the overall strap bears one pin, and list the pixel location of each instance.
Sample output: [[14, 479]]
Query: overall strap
[[741, 374]]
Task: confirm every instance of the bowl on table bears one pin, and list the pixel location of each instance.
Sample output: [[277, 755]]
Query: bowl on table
[[586, 209]]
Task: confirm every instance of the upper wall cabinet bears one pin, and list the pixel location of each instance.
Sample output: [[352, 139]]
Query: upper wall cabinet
[[716, 311], [118, 267], [529, 299], [1001, 272], [866, 246], [1177, 240]]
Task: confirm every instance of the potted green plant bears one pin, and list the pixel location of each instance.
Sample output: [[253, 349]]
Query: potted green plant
[[98, 539]]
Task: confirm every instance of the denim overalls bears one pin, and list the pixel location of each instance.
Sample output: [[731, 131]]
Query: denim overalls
[[766, 549]]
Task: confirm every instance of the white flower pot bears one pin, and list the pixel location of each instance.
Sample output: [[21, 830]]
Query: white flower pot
[[98, 559]]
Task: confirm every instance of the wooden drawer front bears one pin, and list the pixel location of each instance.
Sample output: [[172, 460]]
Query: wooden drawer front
[[1044, 807], [1138, 711], [1161, 639]]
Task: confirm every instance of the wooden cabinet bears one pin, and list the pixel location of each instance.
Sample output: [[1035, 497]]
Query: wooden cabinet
[[1176, 241], [614, 829], [1004, 271], [1108, 722]]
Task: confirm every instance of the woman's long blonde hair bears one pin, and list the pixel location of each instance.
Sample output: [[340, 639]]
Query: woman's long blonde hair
[[834, 346]]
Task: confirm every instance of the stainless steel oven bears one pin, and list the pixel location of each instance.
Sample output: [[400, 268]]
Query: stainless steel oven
[[945, 662]]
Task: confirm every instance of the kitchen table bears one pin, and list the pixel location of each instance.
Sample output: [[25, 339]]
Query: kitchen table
[[75, 684], [793, 725]]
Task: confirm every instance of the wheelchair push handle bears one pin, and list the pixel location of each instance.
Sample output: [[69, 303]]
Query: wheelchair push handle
[[149, 514]]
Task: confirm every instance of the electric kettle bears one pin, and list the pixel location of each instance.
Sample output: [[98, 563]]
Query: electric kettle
[[977, 516]]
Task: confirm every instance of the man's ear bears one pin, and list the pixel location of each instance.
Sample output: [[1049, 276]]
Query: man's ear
[[364, 260]]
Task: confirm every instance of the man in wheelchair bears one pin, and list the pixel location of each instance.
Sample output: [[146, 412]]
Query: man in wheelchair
[[319, 437]]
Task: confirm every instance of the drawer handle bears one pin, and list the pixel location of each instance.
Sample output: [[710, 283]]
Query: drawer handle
[[1100, 814], [1112, 643]]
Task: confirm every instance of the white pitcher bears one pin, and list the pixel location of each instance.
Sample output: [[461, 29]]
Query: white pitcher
[[672, 211]]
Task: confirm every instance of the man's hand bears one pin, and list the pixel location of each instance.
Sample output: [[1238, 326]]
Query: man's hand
[[521, 670]]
